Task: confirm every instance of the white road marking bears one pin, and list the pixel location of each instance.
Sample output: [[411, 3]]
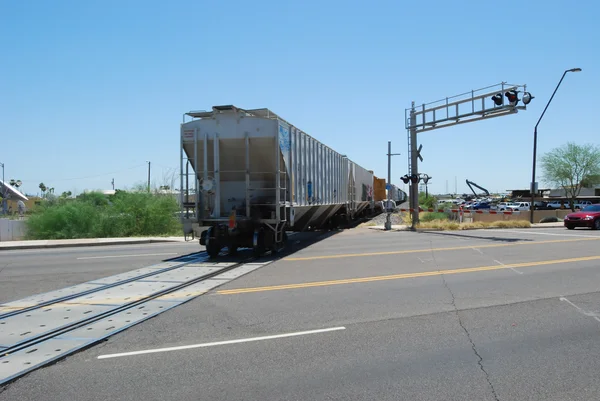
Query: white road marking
[[535, 232], [583, 312], [243, 340], [478, 250], [127, 256], [511, 268]]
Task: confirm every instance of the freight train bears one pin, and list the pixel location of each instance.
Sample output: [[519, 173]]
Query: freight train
[[248, 176]]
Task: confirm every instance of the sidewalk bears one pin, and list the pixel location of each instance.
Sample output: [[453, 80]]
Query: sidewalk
[[401, 227], [62, 243]]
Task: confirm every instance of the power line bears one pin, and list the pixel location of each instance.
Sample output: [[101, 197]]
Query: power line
[[91, 176]]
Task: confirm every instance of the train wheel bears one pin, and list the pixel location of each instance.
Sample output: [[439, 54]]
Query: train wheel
[[213, 248], [259, 242]]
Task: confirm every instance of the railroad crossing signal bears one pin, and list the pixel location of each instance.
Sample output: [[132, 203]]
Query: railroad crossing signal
[[512, 97], [527, 98], [497, 98], [464, 108], [419, 153]]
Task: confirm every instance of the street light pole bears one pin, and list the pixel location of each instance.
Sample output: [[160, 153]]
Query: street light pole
[[148, 176], [533, 186]]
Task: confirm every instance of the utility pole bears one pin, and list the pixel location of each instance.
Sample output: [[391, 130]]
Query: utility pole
[[388, 221], [113, 183], [3, 191], [148, 176]]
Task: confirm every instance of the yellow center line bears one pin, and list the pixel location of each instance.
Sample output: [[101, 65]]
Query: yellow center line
[[456, 248], [405, 275]]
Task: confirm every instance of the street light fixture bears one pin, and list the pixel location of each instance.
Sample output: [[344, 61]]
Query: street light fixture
[[533, 188]]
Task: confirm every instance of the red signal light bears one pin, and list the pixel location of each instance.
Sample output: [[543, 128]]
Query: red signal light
[[512, 97]]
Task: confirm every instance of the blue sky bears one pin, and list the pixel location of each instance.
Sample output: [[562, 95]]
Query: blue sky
[[92, 90]]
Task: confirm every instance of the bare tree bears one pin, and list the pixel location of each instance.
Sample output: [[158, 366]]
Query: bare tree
[[169, 179]]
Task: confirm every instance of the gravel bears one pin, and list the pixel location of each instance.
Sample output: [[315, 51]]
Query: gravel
[[381, 218]]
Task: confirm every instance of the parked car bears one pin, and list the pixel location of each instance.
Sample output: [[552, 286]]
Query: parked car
[[541, 205], [518, 206], [556, 204], [582, 204], [502, 206], [589, 216], [481, 205]]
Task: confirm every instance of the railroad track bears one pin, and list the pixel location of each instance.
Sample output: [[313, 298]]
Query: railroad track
[[57, 299], [26, 344]]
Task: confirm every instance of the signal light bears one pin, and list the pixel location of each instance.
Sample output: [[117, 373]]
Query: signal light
[[414, 178], [512, 97], [405, 178], [527, 98], [497, 98]]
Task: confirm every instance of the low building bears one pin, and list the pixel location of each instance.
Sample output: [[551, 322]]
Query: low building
[[584, 194]]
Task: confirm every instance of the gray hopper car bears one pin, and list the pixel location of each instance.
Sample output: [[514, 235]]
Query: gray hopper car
[[248, 176]]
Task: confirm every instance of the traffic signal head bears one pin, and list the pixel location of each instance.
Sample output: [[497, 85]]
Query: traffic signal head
[[527, 98], [405, 178], [497, 98], [426, 178], [414, 178], [512, 97]]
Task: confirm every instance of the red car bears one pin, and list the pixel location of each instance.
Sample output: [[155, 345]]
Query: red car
[[589, 216]]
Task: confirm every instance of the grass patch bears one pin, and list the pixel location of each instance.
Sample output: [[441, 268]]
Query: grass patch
[[95, 215], [446, 225]]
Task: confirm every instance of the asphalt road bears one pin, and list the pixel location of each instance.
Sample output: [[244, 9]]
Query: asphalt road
[[34, 271], [479, 315]]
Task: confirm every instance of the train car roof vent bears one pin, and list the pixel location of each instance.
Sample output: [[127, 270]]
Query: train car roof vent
[[228, 107]]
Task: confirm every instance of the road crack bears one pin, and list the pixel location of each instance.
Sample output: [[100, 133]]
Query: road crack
[[462, 325], [5, 266]]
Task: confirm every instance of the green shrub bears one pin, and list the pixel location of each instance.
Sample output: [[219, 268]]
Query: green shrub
[[62, 221], [425, 217], [428, 202], [94, 215], [550, 219]]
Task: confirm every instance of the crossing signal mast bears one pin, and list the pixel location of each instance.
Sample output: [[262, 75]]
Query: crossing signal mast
[[485, 103]]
